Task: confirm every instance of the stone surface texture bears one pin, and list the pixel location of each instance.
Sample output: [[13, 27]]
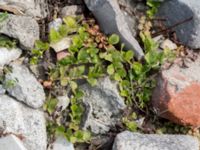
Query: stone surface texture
[[11, 142], [136, 141], [19, 119], [176, 11], [33, 8], [25, 29], [62, 144], [177, 95], [103, 106], [25, 87], [115, 22], [8, 55], [72, 10]]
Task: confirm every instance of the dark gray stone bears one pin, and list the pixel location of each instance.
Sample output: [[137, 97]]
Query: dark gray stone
[[103, 106], [136, 141], [176, 11], [112, 20]]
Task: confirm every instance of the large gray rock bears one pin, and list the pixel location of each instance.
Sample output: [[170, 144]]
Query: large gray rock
[[103, 106], [24, 86], [11, 142], [112, 20], [176, 11], [25, 29], [22, 120], [135, 141], [8, 55], [33, 8]]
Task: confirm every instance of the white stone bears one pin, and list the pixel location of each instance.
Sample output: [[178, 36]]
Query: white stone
[[63, 101], [62, 44], [11, 142], [61, 143], [8, 55], [168, 44], [20, 119]]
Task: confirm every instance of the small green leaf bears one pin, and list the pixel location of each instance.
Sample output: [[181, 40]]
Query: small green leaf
[[110, 69], [54, 36], [70, 22], [113, 39], [92, 81], [137, 67], [128, 55]]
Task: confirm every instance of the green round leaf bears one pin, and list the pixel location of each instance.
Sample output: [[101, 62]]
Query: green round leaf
[[113, 39]]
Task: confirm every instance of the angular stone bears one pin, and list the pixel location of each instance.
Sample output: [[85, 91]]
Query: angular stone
[[25, 87], [62, 44], [103, 106], [61, 143], [25, 29], [22, 120], [176, 96], [176, 11], [33, 8], [72, 10], [136, 141], [8, 55], [11, 142], [115, 22]]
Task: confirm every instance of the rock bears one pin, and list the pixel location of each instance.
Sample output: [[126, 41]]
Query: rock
[[72, 10], [2, 90], [25, 29], [55, 24], [62, 54], [22, 120], [103, 106], [33, 8], [115, 22], [61, 143], [176, 96], [63, 101], [8, 55], [136, 141], [24, 86], [168, 44], [11, 142], [176, 11], [62, 44]]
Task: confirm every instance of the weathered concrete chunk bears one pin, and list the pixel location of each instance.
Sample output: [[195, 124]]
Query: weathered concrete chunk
[[33, 8], [177, 95], [25, 29], [187, 11], [11, 142], [103, 106], [136, 141], [8, 55], [24, 86], [2, 90], [22, 120], [112, 20]]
